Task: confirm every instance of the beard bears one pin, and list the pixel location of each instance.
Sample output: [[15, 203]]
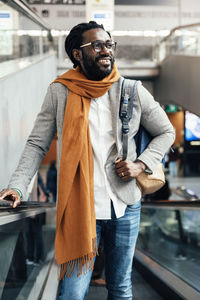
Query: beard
[[94, 72]]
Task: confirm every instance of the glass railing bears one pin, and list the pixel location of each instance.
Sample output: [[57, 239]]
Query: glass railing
[[184, 40], [170, 236], [22, 32], [26, 249]]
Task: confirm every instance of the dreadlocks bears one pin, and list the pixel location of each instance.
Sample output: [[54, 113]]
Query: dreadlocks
[[74, 39]]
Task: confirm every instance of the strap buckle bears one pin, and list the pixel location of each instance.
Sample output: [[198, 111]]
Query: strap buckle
[[125, 127], [124, 107]]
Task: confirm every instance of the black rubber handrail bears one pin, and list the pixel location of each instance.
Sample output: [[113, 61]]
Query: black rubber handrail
[[26, 204], [173, 203], [169, 203]]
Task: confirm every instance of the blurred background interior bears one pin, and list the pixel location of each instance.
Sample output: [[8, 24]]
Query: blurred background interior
[[158, 42]]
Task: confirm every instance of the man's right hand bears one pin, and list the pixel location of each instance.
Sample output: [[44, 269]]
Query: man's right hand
[[12, 196]]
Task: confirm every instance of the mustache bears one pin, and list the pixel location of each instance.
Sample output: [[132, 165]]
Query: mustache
[[104, 56]]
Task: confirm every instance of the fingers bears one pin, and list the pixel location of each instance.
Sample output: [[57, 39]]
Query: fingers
[[119, 167], [122, 171], [124, 176], [119, 163], [123, 168], [16, 203], [118, 160], [3, 194], [10, 195]]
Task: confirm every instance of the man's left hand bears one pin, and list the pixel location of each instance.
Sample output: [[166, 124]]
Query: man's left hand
[[127, 170]]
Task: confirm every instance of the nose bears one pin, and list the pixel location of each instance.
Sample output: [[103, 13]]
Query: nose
[[105, 50]]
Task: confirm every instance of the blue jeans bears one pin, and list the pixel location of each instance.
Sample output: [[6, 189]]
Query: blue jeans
[[173, 169], [119, 236]]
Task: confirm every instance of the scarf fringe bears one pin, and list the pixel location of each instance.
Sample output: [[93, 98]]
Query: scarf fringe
[[83, 264]]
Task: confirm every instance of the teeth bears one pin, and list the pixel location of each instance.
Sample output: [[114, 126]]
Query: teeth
[[104, 60]]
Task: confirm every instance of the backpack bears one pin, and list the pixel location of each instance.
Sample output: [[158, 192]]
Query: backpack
[[142, 138], [148, 183]]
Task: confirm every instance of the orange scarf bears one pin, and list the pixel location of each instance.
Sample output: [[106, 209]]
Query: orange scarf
[[76, 242]]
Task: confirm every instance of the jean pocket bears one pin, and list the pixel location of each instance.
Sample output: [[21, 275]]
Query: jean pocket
[[134, 207]]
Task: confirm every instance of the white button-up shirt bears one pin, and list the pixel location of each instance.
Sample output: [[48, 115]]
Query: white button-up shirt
[[102, 140]]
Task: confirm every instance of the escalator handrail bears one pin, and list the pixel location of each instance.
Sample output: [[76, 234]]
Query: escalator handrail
[[24, 7], [173, 204], [24, 210], [26, 204], [178, 28]]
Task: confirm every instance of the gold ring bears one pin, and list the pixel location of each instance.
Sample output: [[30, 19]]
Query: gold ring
[[122, 174]]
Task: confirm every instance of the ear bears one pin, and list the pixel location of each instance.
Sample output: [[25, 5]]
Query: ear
[[77, 54]]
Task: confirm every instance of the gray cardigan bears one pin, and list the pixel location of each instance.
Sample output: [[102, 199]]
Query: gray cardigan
[[50, 121]]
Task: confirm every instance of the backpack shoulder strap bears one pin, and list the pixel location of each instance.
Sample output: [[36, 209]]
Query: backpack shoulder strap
[[126, 110]]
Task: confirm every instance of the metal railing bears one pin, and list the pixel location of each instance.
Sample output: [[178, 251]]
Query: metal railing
[[23, 7], [22, 278], [184, 40], [169, 244], [24, 33]]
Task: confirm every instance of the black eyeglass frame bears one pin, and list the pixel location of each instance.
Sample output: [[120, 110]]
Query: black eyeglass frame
[[103, 44]]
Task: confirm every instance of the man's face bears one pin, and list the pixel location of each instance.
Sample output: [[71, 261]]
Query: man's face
[[96, 65]]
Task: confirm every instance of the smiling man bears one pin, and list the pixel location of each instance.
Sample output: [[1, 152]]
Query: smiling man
[[97, 191], [97, 66]]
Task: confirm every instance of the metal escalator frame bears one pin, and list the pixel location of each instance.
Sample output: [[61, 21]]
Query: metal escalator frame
[[178, 286], [172, 205], [179, 28], [24, 8], [167, 38], [173, 282], [26, 209]]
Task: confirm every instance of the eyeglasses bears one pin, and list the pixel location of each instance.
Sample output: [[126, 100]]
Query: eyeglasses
[[98, 45]]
